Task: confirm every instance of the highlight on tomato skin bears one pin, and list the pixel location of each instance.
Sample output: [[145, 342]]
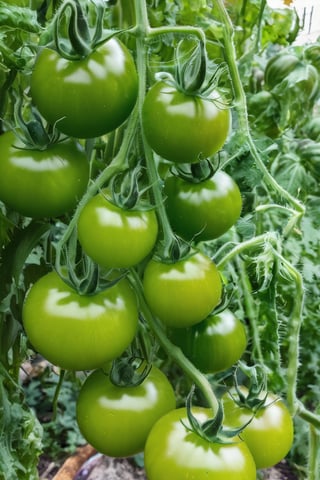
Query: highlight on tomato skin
[[116, 420]]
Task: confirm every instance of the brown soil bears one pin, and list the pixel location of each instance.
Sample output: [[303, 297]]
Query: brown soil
[[86, 464]]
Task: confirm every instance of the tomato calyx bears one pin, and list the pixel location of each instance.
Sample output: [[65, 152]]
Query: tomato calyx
[[77, 270], [212, 430], [193, 75], [129, 371], [127, 189], [173, 250], [32, 132], [254, 396], [81, 38], [194, 172]]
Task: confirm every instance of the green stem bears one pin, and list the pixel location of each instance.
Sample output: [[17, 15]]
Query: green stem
[[118, 164], [310, 417], [251, 312], [172, 350], [56, 395], [241, 107], [143, 30], [254, 242], [294, 333], [314, 454]]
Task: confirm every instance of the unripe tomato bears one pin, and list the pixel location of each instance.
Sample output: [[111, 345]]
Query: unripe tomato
[[183, 128], [214, 344], [202, 211], [117, 420], [79, 332], [182, 293], [89, 97]]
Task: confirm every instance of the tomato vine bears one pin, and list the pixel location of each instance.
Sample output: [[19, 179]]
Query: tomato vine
[[173, 65]]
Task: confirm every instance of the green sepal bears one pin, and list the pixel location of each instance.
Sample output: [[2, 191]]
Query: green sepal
[[129, 371], [212, 430], [256, 395], [197, 172]]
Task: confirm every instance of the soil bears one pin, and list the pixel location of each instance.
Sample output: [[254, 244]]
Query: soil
[[100, 467]]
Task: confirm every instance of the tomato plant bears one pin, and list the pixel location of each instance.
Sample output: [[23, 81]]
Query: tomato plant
[[122, 238], [69, 93], [269, 435], [157, 216], [205, 210], [174, 452], [117, 420], [184, 128], [214, 344], [42, 183], [79, 332], [184, 292]]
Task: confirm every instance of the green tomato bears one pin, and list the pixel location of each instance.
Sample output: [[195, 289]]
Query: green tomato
[[89, 97], [269, 435], [42, 183], [264, 113], [117, 420], [121, 238], [183, 128], [183, 293], [279, 67], [79, 332], [173, 452], [214, 344], [202, 211]]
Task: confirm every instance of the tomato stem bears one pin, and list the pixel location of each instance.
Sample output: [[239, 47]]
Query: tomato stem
[[241, 108], [173, 352], [171, 247], [118, 164]]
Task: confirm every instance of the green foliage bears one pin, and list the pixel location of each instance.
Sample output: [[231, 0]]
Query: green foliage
[[61, 434], [269, 260]]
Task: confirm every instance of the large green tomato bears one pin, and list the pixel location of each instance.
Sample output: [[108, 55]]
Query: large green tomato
[[42, 183], [114, 237], [117, 420], [79, 332], [183, 128], [202, 211], [214, 344], [89, 97], [183, 293], [173, 452], [269, 435]]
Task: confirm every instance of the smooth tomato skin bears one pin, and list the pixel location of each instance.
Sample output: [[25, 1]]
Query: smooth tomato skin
[[215, 344], [122, 238], [117, 420], [269, 435], [87, 98], [42, 183], [174, 453], [79, 332], [182, 128], [183, 293], [202, 211]]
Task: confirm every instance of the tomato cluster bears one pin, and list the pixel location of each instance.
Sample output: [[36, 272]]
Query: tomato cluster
[[130, 268]]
